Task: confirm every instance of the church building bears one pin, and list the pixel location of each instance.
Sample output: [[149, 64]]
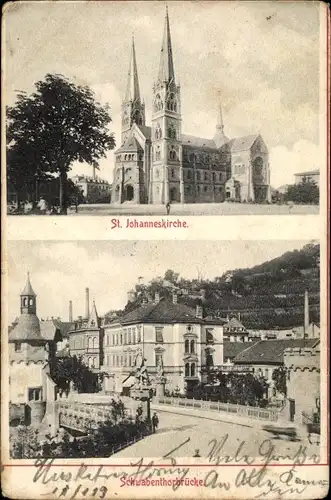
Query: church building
[[158, 164]]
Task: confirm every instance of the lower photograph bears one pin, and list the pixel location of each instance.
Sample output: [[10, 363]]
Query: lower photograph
[[195, 349]]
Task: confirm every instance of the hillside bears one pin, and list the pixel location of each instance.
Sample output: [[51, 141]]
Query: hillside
[[270, 295]]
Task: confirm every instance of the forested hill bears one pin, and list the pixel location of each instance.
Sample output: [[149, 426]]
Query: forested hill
[[270, 295]]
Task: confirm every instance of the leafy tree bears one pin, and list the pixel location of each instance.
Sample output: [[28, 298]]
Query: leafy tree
[[72, 369], [74, 193], [279, 376], [117, 410], [58, 124], [171, 276], [306, 192]]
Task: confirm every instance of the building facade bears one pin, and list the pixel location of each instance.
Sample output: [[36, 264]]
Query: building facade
[[311, 175], [164, 333], [94, 189], [157, 164]]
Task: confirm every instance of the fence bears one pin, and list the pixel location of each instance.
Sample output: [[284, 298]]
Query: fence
[[240, 410], [120, 447]]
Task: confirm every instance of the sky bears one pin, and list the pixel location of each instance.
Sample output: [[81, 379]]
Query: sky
[[60, 271], [262, 58]]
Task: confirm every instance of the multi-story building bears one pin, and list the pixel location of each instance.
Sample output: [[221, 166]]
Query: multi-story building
[[311, 175], [165, 333], [86, 337], [94, 189], [158, 163]]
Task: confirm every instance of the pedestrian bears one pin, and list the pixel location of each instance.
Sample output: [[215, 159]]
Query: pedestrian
[[196, 453], [42, 205], [168, 208], [155, 422]]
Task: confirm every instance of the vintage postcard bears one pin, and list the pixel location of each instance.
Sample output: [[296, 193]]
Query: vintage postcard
[[164, 308]]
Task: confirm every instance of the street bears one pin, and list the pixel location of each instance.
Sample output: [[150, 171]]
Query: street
[[197, 433], [128, 209]]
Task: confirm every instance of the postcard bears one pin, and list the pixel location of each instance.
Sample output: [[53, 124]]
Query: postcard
[[164, 304]]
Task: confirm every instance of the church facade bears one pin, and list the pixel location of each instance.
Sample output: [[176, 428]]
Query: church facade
[[158, 164]]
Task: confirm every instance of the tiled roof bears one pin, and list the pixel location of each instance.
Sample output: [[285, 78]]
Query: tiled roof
[[310, 172], [271, 351], [27, 328], [198, 142], [52, 329], [232, 349], [147, 131], [243, 143], [163, 312], [131, 144], [234, 323]]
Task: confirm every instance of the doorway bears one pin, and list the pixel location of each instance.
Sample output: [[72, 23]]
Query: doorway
[[129, 193]]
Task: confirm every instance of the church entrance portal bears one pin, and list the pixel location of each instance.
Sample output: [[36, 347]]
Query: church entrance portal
[[174, 195], [129, 193]]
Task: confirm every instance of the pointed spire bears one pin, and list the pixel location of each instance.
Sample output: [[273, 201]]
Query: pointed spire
[[132, 88], [166, 68], [220, 138], [28, 290]]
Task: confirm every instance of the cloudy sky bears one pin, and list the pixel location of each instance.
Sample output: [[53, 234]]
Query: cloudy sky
[[60, 271], [263, 58]]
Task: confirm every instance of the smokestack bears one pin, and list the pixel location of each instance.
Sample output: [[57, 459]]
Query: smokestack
[[174, 298], [306, 313], [157, 298], [199, 312], [70, 311], [87, 303]]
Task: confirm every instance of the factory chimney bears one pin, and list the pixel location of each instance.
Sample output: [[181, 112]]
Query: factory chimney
[[70, 311], [306, 315], [87, 303]]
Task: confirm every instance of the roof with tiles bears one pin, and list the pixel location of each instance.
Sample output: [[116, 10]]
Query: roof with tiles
[[165, 311], [271, 351], [131, 144], [232, 349], [243, 143], [27, 328]]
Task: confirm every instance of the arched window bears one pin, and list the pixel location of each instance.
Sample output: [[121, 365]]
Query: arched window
[[121, 339], [90, 362], [198, 175], [31, 302], [125, 157], [187, 346], [25, 301], [192, 346], [193, 370], [90, 343], [158, 153], [221, 177], [214, 177], [125, 338], [187, 369], [94, 343], [95, 362], [172, 103], [206, 176], [189, 174], [92, 322]]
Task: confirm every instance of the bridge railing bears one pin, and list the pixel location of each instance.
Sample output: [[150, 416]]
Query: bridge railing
[[240, 410]]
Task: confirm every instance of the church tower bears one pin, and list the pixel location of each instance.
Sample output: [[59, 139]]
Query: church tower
[[133, 109], [167, 183]]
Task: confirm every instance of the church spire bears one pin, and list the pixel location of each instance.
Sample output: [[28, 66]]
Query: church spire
[[220, 138], [166, 68], [132, 87]]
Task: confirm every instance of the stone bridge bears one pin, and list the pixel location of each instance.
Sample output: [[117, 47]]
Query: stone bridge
[[83, 417]]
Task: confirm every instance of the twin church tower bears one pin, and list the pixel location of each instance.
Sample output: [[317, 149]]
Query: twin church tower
[[158, 164]]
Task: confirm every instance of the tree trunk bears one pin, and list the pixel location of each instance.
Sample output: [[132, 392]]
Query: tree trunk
[[63, 193]]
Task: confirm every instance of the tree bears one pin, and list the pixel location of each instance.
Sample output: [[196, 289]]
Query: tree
[[58, 124], [171, 276], [72, 369], [74, 193], [279, 376], [306, 192]]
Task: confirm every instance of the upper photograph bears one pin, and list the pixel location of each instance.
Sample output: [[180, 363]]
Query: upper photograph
[[143, 108]]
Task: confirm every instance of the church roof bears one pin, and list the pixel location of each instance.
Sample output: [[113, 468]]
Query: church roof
[[197, 142], [27, 328], [28, 290], [147, 131], [243, 143], [131, 144]]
